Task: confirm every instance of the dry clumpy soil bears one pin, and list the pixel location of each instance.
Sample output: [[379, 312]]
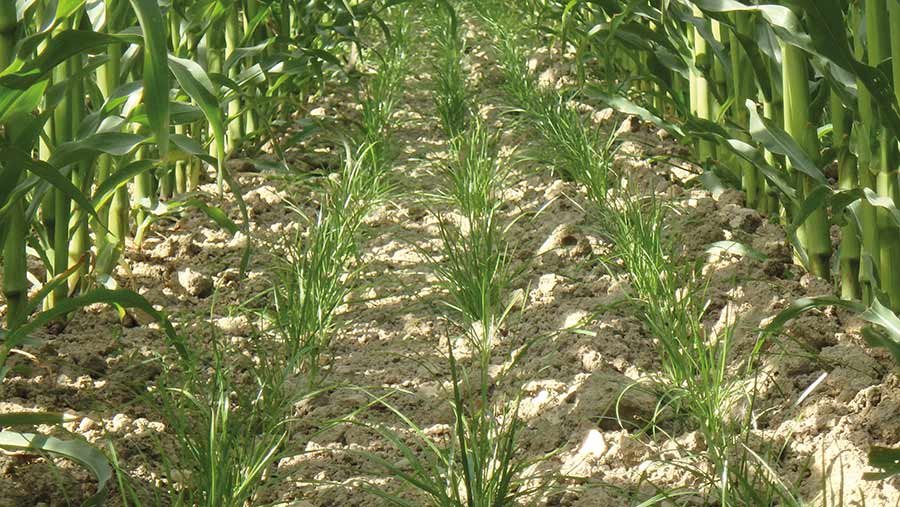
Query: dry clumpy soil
[[587, 344]]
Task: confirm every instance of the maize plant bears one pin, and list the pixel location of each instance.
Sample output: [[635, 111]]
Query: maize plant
[[112, 112], [102, 97], [795, 103], [772, 95]]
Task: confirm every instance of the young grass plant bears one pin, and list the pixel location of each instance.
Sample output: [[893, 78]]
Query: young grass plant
[[474, 177], [230, 430], [478, 464], [575, 148], [381, 91], [698, 382], [450, 94], [573, 145], [475, 268], [318, 274]]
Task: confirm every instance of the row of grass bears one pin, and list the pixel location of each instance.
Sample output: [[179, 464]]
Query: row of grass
[[231, 416], [701, 386], [479, 464]]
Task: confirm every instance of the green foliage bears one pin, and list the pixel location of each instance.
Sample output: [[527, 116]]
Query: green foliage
[[228, 432], [108, 109], [451, 96], [318, 273], [78, 451], [478, 465]]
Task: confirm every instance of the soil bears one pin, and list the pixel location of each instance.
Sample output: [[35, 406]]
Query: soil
[[584, 352]]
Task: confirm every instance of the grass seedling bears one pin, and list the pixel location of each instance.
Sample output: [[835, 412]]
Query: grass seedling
[[474, 177], [380, 93], [698, 381], [317, 274], [475, 268], [576, 149], [229, 432], [476, 465], [451, 96]]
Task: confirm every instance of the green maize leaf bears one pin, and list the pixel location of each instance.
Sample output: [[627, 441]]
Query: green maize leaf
[[17, 102], [253, 74], [827, 28], [803, 305], [248, 52], [776, 140], [75, 450], [818, 199], [86, 72], [196, 83], [325, 56], [876, 314], [705, 129], [825, 36], [23, 133], [35, 301], [846, 198], [758, 63], [262, 15], [118, 298], [156, 74], [190, 146], [705, 30], [755, 157], [667, 59], [60, 48], [42, 170], [121, 95], [66, 8], [22, 7], [61, 10], [183, 114], [96, 122], [885, 458], [21, 82], [111, 143], [626, 106], [225, 84], [165, 209], [34, 418], [631, 8], [213, 212], [106, 190], [840, 81], [180, 113], [96, 12]]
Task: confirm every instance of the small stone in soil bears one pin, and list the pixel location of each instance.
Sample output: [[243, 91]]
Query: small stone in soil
[[194, 283]]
